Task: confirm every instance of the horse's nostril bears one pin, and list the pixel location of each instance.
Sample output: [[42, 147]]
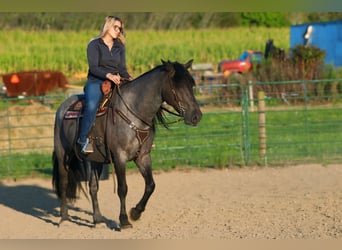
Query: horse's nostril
[[196, 118]]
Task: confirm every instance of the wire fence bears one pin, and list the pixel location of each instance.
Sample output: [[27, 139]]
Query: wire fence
[[302, 123]]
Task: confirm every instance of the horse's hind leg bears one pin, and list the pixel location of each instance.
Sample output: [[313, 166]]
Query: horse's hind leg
[[63, 187], [60, 184], [145, 168], [63, 183], [93, 190]]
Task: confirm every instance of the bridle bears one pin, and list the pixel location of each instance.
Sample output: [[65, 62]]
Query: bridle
[[179, 103], [181, 109]]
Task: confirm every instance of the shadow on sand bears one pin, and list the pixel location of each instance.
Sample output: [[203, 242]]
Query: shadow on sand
[[43, 204]]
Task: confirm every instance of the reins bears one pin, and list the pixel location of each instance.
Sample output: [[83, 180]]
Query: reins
[[129, 109], [172, 113]]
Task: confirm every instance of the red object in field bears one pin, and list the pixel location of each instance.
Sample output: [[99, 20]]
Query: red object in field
[[245, 63], [33, 83], [14, 79]]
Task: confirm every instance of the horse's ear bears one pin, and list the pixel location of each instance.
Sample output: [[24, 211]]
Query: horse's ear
[[188, 64], [170, 68]]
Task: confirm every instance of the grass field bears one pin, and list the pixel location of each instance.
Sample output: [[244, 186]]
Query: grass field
[[66, 51]]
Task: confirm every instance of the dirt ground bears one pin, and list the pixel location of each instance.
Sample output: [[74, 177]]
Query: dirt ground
[[298, 202]]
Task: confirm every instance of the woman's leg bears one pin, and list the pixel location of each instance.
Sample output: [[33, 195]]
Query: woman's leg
[[93, 96]]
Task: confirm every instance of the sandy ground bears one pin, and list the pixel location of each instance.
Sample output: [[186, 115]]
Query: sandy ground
[[298, 202]]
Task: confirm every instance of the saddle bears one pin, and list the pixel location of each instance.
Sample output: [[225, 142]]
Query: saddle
[[75, 110], [97, 133]]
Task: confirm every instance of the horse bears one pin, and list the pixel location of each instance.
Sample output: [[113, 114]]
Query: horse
[[128, 129]]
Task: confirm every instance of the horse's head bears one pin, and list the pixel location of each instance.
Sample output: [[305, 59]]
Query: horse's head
[[178, 92]]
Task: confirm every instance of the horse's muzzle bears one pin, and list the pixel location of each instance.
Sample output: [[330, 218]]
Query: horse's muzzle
[[193, 118]]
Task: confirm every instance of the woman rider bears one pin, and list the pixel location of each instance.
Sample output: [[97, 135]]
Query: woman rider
[[106, 56]]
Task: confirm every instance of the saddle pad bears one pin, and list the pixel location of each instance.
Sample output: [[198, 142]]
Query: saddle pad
[[75, 111]]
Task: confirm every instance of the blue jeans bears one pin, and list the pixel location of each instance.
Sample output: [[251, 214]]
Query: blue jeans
[[93, 96]]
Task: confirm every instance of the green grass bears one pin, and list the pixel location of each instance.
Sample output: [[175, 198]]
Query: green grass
[[25, 165], [312, 135], [214, 142]]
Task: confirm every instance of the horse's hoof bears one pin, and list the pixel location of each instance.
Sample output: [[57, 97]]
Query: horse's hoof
[[100, 225], [99, 219], [135, 214], [126, 226], [124, 222], [64, 223]]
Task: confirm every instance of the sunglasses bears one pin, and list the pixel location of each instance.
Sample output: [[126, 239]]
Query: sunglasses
[[116, 27]]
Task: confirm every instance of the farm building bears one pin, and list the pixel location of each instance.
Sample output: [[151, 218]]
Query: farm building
[[325, 35]]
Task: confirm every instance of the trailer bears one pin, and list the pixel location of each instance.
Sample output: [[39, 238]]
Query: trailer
[[326, 36], [33, 83]]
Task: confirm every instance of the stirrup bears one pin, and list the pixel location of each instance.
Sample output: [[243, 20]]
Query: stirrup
[[87, 147]]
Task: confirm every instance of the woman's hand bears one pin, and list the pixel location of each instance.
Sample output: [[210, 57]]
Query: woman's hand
[[114, 78]]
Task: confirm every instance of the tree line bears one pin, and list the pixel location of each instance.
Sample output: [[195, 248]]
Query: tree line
[[160, 20]]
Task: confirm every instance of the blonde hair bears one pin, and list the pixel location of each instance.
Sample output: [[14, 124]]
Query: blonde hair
[[109, 23]]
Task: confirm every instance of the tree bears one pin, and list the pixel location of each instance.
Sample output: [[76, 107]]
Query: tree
[[268, 19]]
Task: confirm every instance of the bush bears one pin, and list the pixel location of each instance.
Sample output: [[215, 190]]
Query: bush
[[301, 63], [309, 60]]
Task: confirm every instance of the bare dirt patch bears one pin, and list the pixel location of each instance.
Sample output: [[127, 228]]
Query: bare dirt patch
[[27, 128], [299, 202]]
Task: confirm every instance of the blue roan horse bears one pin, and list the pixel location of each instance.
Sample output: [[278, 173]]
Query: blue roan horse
[[124, 133]]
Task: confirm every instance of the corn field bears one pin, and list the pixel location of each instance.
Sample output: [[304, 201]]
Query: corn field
[[66, 50]]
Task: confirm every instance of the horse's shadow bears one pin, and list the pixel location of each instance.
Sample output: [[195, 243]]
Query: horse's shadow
[[43, 204]]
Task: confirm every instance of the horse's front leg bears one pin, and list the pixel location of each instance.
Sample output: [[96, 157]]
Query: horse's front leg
[[120, 169], [93, 190], [145, 166]]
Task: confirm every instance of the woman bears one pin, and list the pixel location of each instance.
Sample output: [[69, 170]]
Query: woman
[[107, 60]]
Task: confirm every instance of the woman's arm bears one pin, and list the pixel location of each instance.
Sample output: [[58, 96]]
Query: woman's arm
[[93, 56]]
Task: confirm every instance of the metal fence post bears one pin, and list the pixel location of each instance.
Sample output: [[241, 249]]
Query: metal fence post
[[262, 126], [245, 124]]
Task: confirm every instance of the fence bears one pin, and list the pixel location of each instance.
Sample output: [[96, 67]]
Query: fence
[[301, 123], [307, 128]]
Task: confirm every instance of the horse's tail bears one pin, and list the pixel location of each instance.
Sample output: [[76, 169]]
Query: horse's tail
[[74, 177]]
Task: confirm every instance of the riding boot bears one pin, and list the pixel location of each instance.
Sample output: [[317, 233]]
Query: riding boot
[[86, 147]]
